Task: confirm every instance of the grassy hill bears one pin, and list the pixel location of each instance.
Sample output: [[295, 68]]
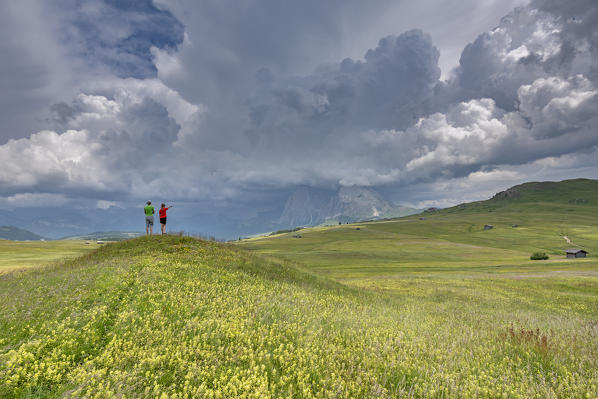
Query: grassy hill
[[453, 241], [14, 233], [176, 317]]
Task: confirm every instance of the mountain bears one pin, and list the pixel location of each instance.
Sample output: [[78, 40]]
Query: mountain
[[307, 206], [57, 222], [105, 236], [16, 234], [358, 203]]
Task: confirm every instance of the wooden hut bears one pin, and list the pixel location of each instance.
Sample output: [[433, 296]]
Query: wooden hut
[[576, 253]]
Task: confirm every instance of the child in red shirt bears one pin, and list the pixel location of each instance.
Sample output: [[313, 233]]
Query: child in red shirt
[[162, 213]]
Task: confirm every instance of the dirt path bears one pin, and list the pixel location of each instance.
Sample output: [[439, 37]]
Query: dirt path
[[570, 242]]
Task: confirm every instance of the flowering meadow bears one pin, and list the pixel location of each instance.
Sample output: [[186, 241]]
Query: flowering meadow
[[177, 317]]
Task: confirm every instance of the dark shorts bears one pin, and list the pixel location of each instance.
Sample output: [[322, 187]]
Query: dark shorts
[[163, 220]]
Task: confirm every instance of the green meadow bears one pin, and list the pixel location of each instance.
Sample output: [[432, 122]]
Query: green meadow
[[403, 308], [19, 255], [453, 242]]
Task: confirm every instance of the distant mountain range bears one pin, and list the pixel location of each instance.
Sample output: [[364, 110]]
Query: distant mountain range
[[58, 222], [305, 206], [16, 234], [308, 207], [105, 236]]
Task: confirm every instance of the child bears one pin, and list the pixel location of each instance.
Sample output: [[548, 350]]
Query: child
[[162, 213]]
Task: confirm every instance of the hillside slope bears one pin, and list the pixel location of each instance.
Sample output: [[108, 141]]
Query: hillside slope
[[546, 217], [16, 234], [178, 317], [575, 195]]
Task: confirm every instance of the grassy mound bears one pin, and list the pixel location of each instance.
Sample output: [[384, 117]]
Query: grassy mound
[[172, 317]]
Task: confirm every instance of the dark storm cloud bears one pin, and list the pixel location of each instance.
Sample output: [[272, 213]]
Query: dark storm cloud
[[241, 108], [514, 100], [108, 146], [30, 68], [118, 34], [229, 41], [387, 90], [547, 38], [49, 50], [523, 91]]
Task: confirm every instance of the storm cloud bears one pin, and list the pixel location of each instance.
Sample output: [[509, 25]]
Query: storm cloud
[[201, 101]]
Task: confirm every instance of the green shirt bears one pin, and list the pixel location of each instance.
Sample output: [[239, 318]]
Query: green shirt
[[149, 210]]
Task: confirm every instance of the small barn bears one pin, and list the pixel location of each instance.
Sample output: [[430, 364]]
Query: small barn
[[488, 227], [576, 253]]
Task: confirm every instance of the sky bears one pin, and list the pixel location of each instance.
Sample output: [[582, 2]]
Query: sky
[[234, 104]]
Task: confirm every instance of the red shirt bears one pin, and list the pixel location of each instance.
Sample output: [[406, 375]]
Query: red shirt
[[162, 212]]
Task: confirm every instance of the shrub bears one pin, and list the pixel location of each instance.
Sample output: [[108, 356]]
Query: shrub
[[286, 231], [539, 256]]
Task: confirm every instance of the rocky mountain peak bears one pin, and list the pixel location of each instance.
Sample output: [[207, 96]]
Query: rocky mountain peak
[[309, 206]]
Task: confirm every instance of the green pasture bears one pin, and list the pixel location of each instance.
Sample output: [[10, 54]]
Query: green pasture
[[176, 317], [454, 241], [17, 255], [445, 265], [414, 247], [404, 308]]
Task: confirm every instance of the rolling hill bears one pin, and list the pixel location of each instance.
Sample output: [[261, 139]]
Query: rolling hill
[[179, 317], [427, 306], [549, 217], [17, 234]]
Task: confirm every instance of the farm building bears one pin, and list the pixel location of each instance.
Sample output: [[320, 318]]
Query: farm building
[[576, 253], [488, 227]]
